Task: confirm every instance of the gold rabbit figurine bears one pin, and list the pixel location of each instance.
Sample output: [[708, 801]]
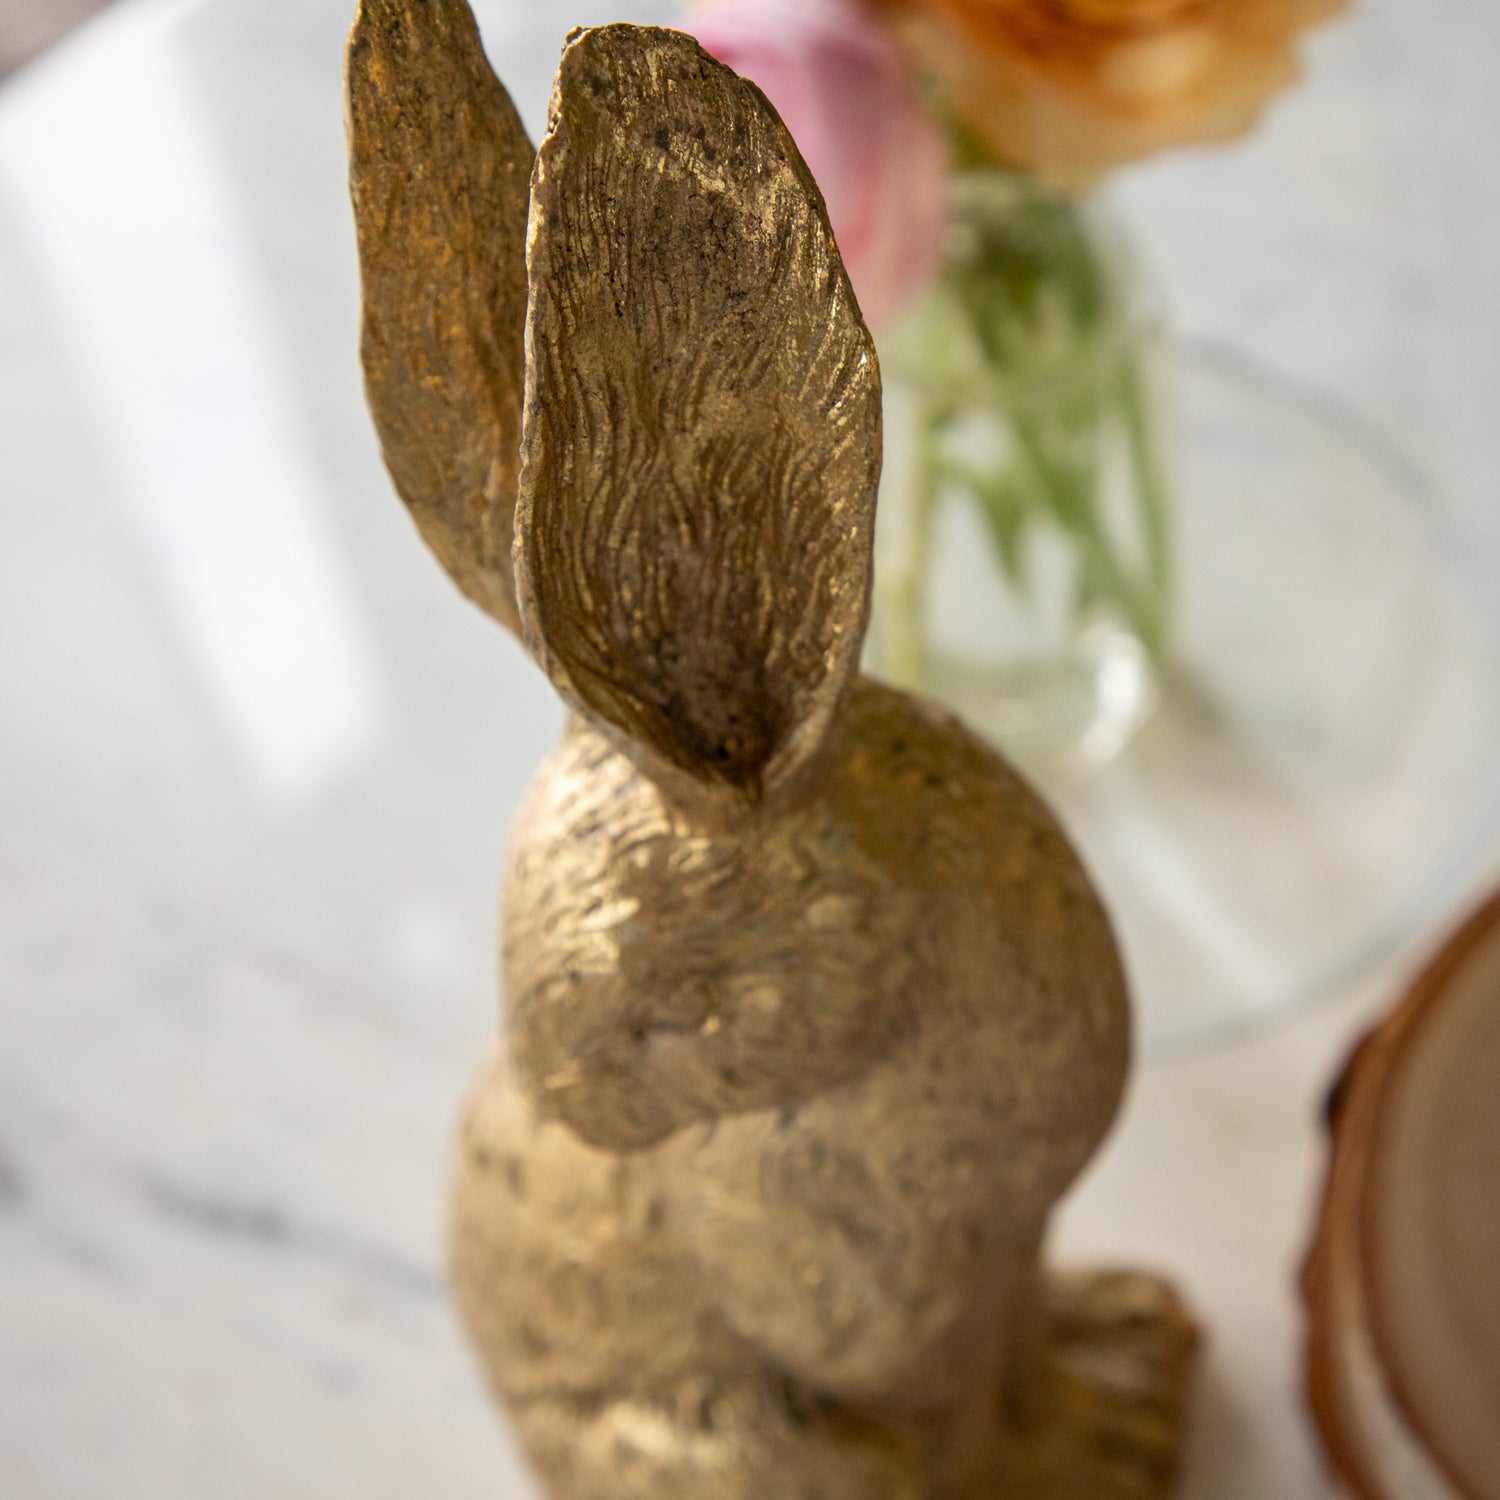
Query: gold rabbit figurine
[[812, 1012]]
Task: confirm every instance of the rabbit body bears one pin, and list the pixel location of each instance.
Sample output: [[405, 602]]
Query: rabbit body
[[812, 1011], [783, 1114]]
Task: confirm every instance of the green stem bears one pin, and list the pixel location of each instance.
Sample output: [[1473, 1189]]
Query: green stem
[[904, 660], [1022, 332], [1074, 506], [1152, 496]]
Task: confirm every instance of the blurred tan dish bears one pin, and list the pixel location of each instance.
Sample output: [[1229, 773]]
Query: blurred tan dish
[[1403, 1282], [1067, 89], [812, 1013]]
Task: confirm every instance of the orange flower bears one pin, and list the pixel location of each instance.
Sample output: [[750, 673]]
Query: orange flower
[[1068, 89]]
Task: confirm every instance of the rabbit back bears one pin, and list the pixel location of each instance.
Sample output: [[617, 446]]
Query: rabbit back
[[877, 1237], [848, 1203]]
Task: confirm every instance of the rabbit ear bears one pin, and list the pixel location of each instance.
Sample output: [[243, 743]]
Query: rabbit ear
[[440, 172], [702, 427]]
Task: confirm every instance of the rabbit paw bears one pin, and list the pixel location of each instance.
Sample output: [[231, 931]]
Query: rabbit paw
[[1119, 1352]]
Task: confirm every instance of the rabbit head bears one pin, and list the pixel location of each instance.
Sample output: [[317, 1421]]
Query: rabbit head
[[699, 441]]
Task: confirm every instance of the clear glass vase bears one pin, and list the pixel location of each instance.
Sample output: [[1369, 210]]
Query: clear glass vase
[[1023, 551]]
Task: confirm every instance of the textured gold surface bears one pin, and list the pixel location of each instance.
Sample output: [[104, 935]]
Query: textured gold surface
[[440, 172], [702, 419], [812, 1011]]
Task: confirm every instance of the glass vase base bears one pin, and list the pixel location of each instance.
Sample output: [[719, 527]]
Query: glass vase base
[[1320, 780], [1067, 713]]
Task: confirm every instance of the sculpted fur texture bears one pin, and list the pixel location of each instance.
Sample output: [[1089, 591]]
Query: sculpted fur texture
[[812, 1013]]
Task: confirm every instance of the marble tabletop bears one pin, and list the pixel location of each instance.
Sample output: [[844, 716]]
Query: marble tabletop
[[258, 760]]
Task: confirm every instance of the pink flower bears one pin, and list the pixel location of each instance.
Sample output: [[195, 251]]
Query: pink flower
[[842, 87]]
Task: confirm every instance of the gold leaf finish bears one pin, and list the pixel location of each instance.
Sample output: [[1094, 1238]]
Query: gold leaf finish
[[783, 1112], [702, 418], [440, 172], [812, 1012]]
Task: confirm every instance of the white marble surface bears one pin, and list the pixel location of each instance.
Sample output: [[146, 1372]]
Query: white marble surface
[[258, 759]]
